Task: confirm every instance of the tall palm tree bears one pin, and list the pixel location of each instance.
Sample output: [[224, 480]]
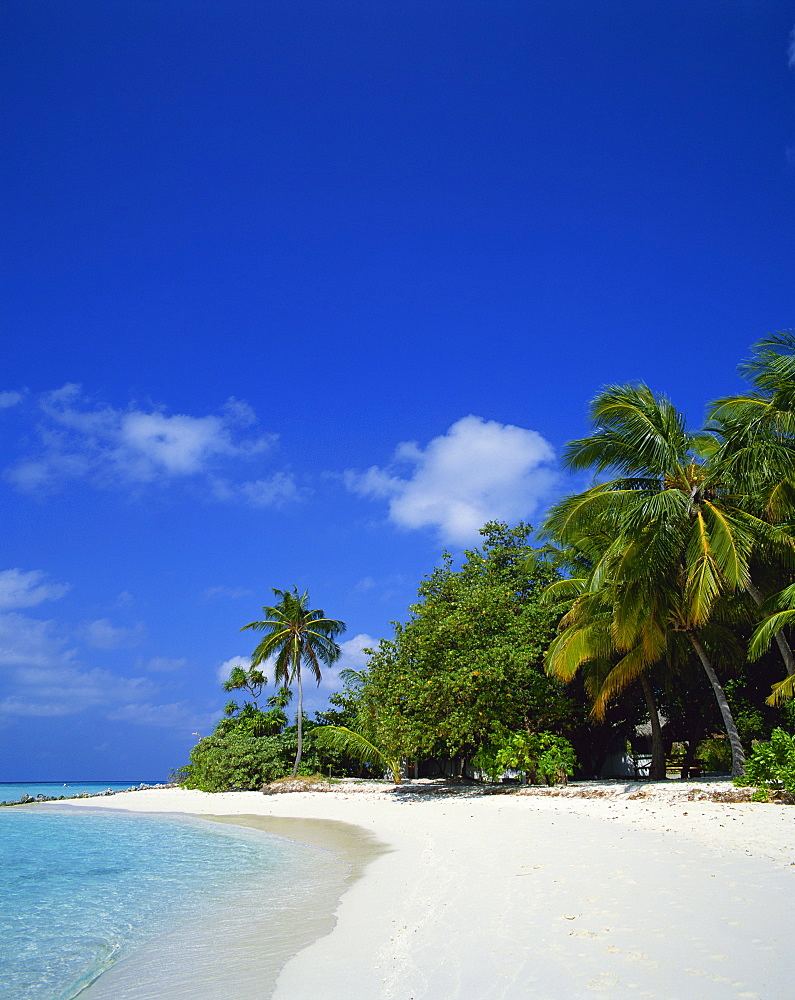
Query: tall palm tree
[[296, 636], [756, 453], [679, 543]]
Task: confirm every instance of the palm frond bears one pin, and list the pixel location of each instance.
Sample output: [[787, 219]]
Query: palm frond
[[637, 432], [782, 691], [623, 673], [766, 630], [357, 746]]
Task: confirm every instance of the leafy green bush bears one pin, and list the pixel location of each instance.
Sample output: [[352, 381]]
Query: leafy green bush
[[237, 760], [771, 765], [539, 756], [716, 753]]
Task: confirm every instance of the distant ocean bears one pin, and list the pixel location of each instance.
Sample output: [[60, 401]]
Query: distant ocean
[[107, 904], [13, 791]]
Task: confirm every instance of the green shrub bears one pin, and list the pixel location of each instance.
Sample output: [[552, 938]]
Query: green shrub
[[539, 756], [716, 753], [236, 761], [771, 765]]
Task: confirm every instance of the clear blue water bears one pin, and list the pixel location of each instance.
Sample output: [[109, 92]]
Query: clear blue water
[[125, 901], [12, 791]]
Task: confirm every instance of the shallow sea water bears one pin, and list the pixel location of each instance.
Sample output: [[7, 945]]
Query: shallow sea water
[[133, 907]]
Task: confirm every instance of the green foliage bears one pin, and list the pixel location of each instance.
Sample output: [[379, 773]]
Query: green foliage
[[469, 660], [252, 681], [253, 721], [236, 760], [539, 756], [250, 746], [716, 754], [771, 765], [357, 746]]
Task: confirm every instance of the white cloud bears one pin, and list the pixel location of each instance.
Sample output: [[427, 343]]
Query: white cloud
[[352, 657], [41, 675], [164, 664], [103, 634], [111, 447], [79, 688], [179, 715], [8, 399], [279, 489], [42, 680], [233, 593], [275, 491], [31, 642], [478, 471], [15, 705], [20, 589], [223, 672]]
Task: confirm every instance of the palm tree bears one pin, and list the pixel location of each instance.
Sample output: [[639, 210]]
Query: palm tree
[[296, 636], [585, 644], [679, 543], [756, 453]]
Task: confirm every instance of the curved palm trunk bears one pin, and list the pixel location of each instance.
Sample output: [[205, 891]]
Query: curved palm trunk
[[300, 722], [781, 641], [738, 754], [657, 769]]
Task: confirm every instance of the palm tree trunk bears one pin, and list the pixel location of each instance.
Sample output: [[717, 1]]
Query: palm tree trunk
[[300, 722], [657, 769], [738, 754], [781, 641]]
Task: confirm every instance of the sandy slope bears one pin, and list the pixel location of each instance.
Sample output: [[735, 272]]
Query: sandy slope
[[544, 897]]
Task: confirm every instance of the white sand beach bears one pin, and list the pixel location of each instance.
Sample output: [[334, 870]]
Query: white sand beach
[[639, 892]]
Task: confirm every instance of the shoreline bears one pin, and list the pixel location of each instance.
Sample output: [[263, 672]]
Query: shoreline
[[550, 896]]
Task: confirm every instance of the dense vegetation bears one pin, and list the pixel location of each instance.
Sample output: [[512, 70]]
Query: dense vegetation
[[664, 592]]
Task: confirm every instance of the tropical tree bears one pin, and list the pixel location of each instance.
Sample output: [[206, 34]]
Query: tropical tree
[[253, 720], [680, 544], [252, 681], [469, 659], [584, 643], [756, 454], [295, 637]]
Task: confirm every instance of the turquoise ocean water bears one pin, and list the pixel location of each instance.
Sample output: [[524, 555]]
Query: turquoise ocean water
[[106, 904]]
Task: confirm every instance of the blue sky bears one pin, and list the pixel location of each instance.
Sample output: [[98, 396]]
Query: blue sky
[[302, 293]]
